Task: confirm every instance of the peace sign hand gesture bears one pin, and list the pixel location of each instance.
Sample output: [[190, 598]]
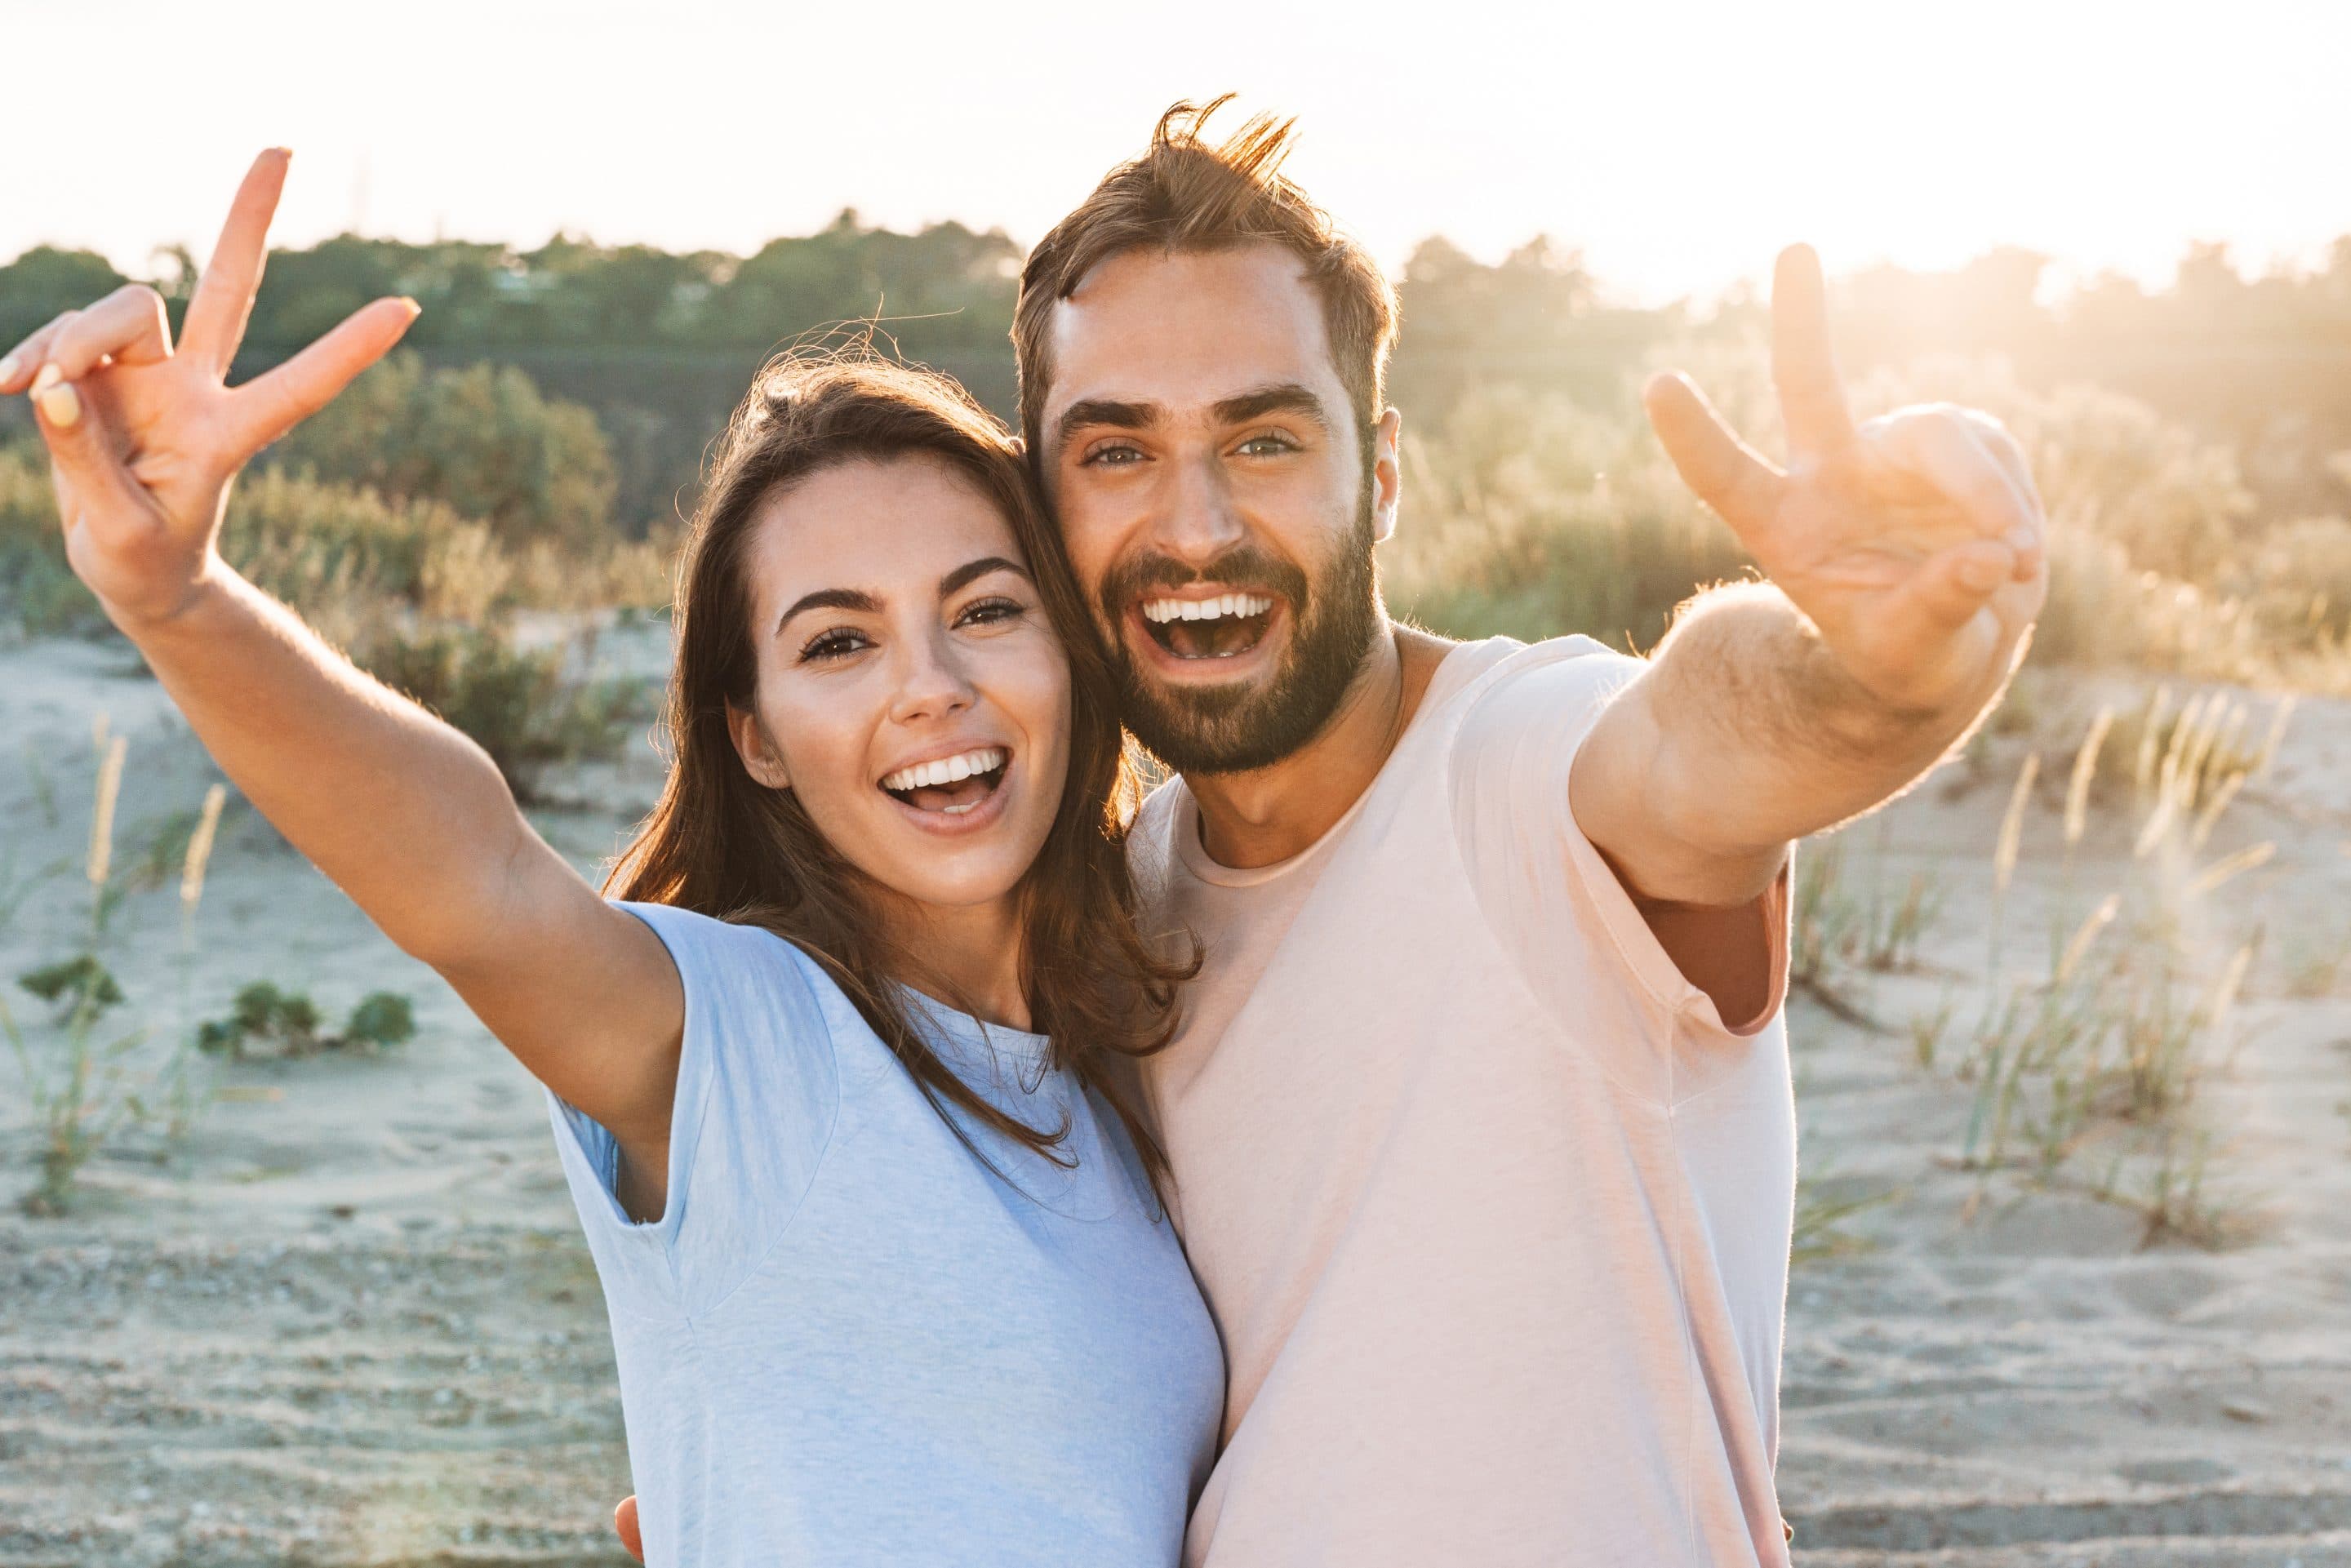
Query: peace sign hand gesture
[[1912, 541], [143, 440]]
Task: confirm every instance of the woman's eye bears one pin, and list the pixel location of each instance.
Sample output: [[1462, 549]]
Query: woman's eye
[[989, 611], [836, 644]]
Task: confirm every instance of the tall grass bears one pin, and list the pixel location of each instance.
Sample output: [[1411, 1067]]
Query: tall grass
[[2111, 1043], [78, 1082]]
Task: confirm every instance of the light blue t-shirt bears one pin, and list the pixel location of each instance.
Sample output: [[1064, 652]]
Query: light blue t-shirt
[[847, 1342]]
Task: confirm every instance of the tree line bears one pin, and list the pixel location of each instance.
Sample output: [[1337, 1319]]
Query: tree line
[[658, 344]]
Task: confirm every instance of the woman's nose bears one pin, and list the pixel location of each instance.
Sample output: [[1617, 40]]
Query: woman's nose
[[932, 680]]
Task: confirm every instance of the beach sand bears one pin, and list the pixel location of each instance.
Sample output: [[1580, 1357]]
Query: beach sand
[[349, 1320]]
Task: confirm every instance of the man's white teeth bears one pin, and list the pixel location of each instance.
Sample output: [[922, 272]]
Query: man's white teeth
[[946, 770], [1205, 609]]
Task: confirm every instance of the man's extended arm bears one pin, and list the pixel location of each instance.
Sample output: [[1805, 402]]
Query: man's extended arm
[[1905, 567]]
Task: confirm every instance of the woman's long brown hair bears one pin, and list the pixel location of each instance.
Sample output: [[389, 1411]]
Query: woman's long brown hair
[[722, 845]]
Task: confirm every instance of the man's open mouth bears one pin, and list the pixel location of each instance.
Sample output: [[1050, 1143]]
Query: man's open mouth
[[1220, 628], [951, 786]]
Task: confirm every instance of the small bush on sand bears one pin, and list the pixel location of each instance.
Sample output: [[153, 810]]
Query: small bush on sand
[[286, 1024]]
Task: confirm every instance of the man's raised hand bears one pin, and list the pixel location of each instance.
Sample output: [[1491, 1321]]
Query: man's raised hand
[[143, 440], [1913, 541]]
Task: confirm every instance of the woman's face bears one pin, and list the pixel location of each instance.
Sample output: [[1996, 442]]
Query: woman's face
[[912, 691]]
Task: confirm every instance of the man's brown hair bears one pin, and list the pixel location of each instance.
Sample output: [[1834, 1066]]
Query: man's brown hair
[[1187, 193]]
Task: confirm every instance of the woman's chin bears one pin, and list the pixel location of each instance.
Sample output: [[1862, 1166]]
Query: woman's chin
[[958, 871]]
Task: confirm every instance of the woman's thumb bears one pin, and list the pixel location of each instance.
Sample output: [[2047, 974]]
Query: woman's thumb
[[81, 447]]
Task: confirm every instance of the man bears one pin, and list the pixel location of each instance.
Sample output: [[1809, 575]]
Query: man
[[1481, 1124]]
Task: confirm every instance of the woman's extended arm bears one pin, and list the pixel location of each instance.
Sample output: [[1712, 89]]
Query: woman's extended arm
[[405, 814]]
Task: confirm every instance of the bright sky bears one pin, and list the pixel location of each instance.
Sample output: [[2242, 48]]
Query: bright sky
[[1678, 144]]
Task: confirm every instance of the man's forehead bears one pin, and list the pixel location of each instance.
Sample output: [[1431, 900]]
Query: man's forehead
[[1189, 328]]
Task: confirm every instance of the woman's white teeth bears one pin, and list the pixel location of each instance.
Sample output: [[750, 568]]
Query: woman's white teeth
[[1205, 609], [946, 770]]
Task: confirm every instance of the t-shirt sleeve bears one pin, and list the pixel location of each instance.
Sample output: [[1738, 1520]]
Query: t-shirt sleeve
[[757, 1096], [1546, 889]]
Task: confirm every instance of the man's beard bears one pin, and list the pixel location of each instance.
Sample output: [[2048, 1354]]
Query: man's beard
[[1236, 728]]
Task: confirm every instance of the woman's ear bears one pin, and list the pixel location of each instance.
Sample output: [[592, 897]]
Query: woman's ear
[[751, 744]]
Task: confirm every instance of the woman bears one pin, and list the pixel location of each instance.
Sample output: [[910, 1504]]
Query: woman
[[887, 1279]]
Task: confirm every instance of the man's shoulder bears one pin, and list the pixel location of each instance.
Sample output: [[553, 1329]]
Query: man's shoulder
[[1511, 684]]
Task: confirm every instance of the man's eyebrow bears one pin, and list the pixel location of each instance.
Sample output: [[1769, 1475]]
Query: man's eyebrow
[[1107, 412], [971, 571], [1287, 398], [850, 599]]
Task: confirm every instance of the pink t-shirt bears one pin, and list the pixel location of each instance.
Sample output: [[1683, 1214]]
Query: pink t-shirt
[[1491, 1208]]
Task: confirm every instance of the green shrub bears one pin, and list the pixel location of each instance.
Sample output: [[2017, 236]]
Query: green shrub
[[381, 1019], [287, 1024], [481, 441], [522, 706], [78, 984]]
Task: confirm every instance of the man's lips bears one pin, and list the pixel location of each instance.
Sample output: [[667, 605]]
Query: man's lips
[[1219, 633]]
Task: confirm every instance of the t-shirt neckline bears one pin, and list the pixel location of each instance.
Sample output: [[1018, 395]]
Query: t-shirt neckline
[[1460, 665]]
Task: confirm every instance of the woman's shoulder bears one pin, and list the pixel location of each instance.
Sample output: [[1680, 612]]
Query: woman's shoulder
[[734, 966]]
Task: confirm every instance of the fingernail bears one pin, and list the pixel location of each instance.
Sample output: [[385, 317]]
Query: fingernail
[[2022, 538], [7, 370], [60, 405], [51, 376]]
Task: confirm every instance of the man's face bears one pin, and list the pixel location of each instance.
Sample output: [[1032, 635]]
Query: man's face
[[1207, 472]]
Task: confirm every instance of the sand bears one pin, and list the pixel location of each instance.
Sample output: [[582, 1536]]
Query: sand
[[349, 1320]]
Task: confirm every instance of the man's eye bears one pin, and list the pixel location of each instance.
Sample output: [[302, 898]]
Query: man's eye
[[1111, 457], [837, 643], [1267, 445]]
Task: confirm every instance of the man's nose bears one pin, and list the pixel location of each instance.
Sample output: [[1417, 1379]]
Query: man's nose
[[1198, 520], [932, 680]]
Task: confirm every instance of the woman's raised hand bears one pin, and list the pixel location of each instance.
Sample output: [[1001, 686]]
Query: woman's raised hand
[[144, 439]]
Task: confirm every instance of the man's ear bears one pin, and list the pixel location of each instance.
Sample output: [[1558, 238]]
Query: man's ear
[[751, 744], [1387, 474]]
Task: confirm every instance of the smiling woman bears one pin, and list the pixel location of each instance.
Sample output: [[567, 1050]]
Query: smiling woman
[[887, 708]]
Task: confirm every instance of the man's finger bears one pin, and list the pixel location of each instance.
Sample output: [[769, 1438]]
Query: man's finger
[[1936, 445], [24, 362], [268, 406], [1951, 585], [624, 1525], [1804, 361], [128, 326], [217, 315], [1726, 473]]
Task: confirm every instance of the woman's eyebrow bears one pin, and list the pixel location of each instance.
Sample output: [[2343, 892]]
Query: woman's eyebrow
[[849, 599], [972, 572]]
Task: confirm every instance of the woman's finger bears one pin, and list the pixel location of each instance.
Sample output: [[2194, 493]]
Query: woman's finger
[[224, 302], [128, 327], [268, 406], [25, 360]]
